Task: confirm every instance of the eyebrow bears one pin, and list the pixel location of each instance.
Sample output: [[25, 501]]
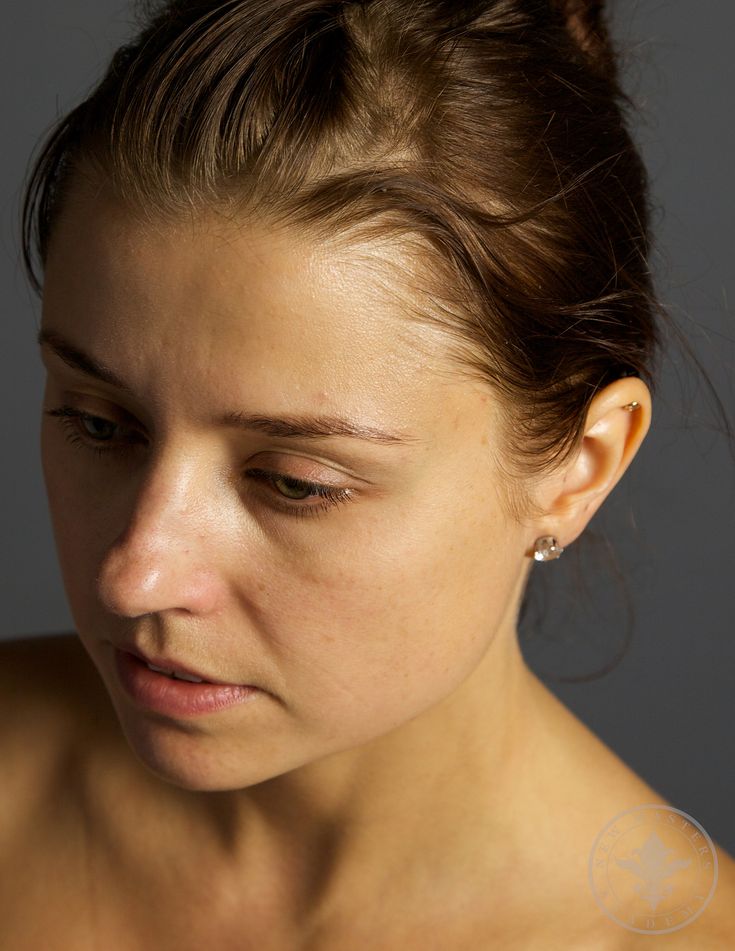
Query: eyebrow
[[305, 426]]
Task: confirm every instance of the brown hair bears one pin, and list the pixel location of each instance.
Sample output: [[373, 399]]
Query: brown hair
[[491, 133]]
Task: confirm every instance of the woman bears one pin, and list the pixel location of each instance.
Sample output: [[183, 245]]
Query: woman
[[347, 322]]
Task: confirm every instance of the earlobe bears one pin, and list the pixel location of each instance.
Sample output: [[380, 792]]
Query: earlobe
[[617, 422]]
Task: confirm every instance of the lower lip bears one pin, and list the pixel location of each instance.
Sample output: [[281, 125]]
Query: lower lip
[[178, 698]]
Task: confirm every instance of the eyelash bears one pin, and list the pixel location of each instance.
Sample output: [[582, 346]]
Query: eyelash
[[69, 417]]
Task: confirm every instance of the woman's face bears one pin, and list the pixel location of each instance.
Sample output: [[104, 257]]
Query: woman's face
[[353, 618]]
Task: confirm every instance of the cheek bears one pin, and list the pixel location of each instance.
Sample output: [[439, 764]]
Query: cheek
[[385, 621], [62, 499], [73, 530], [368, 619]]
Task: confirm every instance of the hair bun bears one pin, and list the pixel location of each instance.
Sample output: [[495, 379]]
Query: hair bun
[[586, 24]]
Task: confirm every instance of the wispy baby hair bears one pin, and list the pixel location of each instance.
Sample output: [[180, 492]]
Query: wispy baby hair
[[491, 136]]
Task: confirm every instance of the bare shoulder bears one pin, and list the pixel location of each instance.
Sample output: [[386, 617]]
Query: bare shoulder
[[583, 786], [18, 652], [56, 728], [51, 702], [712, 930], [718, 918], [48, 679]]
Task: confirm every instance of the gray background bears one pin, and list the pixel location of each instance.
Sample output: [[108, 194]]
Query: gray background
[[667, 708]]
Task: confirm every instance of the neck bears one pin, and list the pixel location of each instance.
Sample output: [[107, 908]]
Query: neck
[[422, 796], [448, 787]]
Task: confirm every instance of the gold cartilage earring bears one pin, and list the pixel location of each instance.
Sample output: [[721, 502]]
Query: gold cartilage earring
[[631, 406]]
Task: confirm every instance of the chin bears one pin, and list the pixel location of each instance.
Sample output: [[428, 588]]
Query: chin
[[185, 756]]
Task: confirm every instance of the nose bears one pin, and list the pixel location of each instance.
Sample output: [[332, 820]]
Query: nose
[[164, 557]]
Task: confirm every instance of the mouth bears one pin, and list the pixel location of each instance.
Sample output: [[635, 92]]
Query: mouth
[[177, 675], [162, 686], [176, 670]]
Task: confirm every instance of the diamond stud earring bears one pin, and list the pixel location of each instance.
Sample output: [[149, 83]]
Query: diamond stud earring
[[546, 548]]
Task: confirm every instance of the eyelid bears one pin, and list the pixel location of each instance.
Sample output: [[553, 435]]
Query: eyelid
[[121, 417], [112, 413], [327, 491], [357, 460]]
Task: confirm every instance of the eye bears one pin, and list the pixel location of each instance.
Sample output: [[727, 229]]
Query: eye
[[300, 488], [75, 423], [330, 495], [73, 420]]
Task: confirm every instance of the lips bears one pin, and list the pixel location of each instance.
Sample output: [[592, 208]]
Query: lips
[[174, 668], [158, 692], [177, 675]]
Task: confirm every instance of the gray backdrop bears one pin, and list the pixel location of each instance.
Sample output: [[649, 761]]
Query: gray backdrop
[[667, 708]]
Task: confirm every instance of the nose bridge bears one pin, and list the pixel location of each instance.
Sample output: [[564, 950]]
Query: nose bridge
[[160, 559]]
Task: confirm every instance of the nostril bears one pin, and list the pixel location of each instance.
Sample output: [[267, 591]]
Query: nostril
[[132, 582]]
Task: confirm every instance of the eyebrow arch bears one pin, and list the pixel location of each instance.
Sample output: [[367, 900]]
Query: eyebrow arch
[[307, 426]]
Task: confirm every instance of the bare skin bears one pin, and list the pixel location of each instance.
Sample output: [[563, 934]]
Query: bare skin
[[97, 853], [404, 780]]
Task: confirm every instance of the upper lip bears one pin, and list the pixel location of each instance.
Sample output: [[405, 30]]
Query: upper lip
[[173, 665]]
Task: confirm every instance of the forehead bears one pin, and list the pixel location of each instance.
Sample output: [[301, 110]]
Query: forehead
[[209, 273], [301, 325]]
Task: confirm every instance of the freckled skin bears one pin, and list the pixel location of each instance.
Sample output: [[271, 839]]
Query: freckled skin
[[328, 613], [399, 727]]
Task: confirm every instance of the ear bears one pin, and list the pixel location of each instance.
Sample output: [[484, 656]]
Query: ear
[[612, 436]]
